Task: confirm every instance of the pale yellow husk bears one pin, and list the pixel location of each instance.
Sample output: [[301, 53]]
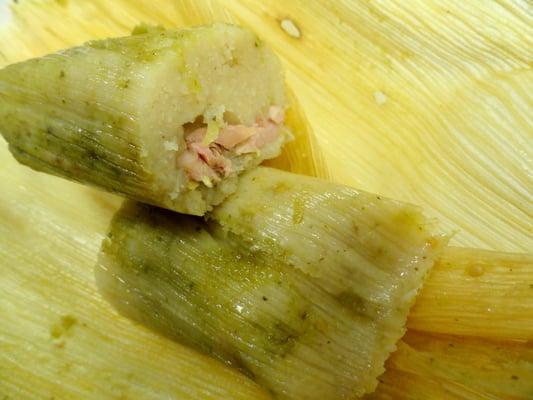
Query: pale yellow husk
[[504, 371], [424, 101], [400, 385], [449, 367], [478, 293]]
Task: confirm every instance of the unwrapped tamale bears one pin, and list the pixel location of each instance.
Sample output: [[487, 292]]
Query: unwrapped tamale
[[300, 328], [169, 118]]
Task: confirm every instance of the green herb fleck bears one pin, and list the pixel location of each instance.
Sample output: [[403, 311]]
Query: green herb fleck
[[298, 209], [124, 83], [64, 325]]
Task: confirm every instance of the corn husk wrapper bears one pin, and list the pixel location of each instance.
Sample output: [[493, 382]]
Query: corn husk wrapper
[[421, 101], [428, 366], [478, 293]]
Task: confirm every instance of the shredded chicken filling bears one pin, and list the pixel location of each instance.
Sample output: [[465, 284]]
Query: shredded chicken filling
[[210, 162]]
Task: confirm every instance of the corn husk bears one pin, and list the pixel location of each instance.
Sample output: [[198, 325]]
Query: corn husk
[[421, 101], [478, 293], [503, 370], [448, 367], [400, 385]]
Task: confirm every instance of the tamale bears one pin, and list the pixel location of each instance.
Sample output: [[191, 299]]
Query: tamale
[[268, 320], [166, 117], [302, 327]]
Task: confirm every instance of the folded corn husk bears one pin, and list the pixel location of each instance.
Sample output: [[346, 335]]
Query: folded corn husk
[[434, 113]]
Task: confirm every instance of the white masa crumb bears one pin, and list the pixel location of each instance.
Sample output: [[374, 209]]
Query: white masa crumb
[[290, 28], [171, 145], [380, 97]]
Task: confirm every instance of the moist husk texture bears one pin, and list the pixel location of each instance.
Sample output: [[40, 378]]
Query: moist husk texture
[[429, 366], [502, 370], [416, 100], [478, 293], [110, 113], [314, 324]]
